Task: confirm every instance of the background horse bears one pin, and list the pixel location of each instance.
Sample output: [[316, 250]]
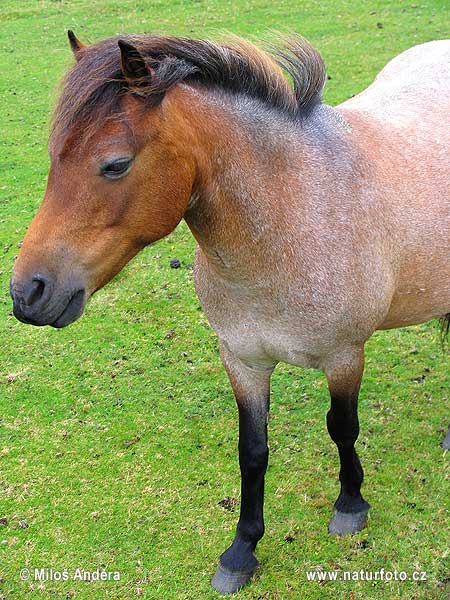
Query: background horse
[[316, 226]]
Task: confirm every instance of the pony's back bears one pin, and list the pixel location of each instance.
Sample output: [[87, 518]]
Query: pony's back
[[416, 80]]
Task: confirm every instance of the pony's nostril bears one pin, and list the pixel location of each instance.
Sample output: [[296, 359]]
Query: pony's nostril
[[34, 290]]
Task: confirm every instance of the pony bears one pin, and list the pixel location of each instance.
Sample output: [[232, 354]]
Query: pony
[[316, 226]]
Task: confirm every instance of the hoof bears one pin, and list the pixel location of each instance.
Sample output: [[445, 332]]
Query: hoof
[[446, 441], [343, 523], [228, 582]]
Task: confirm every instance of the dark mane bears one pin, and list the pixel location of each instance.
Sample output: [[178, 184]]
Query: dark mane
[[93, 88]]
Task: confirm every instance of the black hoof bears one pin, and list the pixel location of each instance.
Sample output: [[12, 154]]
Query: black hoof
[[228, 582], [446, 441], [343, 523]]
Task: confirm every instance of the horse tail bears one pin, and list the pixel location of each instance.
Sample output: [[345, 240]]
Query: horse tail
[[445, 328]]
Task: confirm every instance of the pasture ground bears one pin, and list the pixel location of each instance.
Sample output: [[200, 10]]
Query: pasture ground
[[118, 434]]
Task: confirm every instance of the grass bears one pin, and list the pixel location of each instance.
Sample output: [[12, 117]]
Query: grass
[[118, 435]]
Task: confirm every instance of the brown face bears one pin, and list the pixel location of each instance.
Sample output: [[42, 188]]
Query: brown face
[[128, 187]]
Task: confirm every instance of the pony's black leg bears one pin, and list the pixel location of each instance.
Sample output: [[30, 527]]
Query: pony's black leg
[[344, 378], [251, 387], [446, 441]]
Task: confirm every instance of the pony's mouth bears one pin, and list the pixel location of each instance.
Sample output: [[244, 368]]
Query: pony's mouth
[[72, 312], [59, 315]]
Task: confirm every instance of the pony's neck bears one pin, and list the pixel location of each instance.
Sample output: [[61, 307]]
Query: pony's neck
[[259, 174]]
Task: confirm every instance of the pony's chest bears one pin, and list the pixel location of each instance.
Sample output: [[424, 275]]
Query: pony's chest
[[264, 345], [257, 328]]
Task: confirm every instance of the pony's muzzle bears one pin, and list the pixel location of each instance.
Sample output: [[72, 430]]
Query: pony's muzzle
[[39, 300]]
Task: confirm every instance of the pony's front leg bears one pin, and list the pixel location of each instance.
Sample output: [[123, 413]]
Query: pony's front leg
[[344, 374], [251, 388]]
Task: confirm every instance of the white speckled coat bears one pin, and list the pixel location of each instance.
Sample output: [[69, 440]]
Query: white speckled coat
[[333, 230]]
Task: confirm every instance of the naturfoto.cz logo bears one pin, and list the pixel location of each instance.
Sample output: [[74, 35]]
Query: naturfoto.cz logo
[[363, 575]]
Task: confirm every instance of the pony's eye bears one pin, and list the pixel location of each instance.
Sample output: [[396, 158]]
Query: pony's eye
[[116, 168]]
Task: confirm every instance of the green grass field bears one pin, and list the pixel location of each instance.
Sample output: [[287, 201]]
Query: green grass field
[[118, 434]]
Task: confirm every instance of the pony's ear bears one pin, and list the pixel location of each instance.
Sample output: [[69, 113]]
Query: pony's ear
[[75, 44], [133, 64]]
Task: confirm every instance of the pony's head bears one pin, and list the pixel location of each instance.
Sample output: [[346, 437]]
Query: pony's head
[[125, 158], [117, 182]]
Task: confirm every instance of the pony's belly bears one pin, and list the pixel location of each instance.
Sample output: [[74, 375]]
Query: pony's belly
[[423, 291], [414, 307]]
